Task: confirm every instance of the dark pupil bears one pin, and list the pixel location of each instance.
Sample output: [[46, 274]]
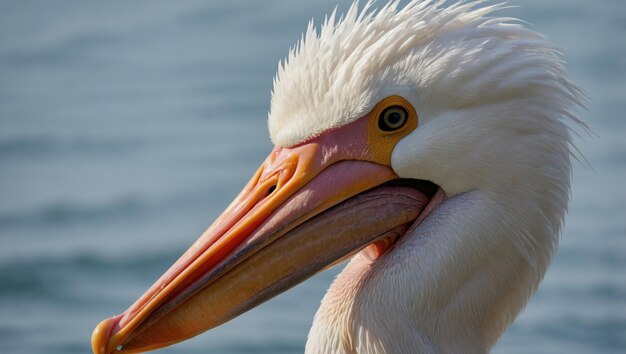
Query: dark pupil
[[394, 118]]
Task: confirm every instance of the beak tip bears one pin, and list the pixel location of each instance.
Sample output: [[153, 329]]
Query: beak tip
[[101, 335]]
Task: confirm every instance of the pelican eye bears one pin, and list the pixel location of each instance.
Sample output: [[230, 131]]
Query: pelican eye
[[392, 118]]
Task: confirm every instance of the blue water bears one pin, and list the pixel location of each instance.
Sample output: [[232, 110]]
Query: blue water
[[125, 128]]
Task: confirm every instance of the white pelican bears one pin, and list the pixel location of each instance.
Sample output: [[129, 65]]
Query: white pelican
[[428, 143]]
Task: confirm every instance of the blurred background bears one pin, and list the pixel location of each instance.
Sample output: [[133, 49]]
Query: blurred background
[[126, 127]]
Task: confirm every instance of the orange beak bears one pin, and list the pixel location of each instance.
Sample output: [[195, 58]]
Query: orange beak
[[306, 208]]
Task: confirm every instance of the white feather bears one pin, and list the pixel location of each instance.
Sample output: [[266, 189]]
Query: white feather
[[493, 99]]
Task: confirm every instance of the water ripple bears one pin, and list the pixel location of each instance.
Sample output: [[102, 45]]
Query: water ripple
[[65, 212]]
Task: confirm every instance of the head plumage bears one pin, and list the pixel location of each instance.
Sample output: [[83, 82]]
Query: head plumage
[[444, 56]]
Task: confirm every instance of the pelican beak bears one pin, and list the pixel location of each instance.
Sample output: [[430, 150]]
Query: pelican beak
[[306, 208]]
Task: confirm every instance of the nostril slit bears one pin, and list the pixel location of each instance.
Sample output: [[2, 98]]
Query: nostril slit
[[271, 190]]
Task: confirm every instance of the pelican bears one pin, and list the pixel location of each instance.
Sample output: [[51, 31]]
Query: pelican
[[430, 146]]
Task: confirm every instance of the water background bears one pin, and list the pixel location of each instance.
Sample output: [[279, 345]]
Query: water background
[[126, 127]]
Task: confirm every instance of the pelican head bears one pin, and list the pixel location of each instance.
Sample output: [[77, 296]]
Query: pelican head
[[427, 144]]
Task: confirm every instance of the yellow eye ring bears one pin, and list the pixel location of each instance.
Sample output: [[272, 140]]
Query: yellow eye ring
[[392, 118]]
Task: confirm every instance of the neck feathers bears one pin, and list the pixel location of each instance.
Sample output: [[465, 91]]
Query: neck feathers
[[454, 284]]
